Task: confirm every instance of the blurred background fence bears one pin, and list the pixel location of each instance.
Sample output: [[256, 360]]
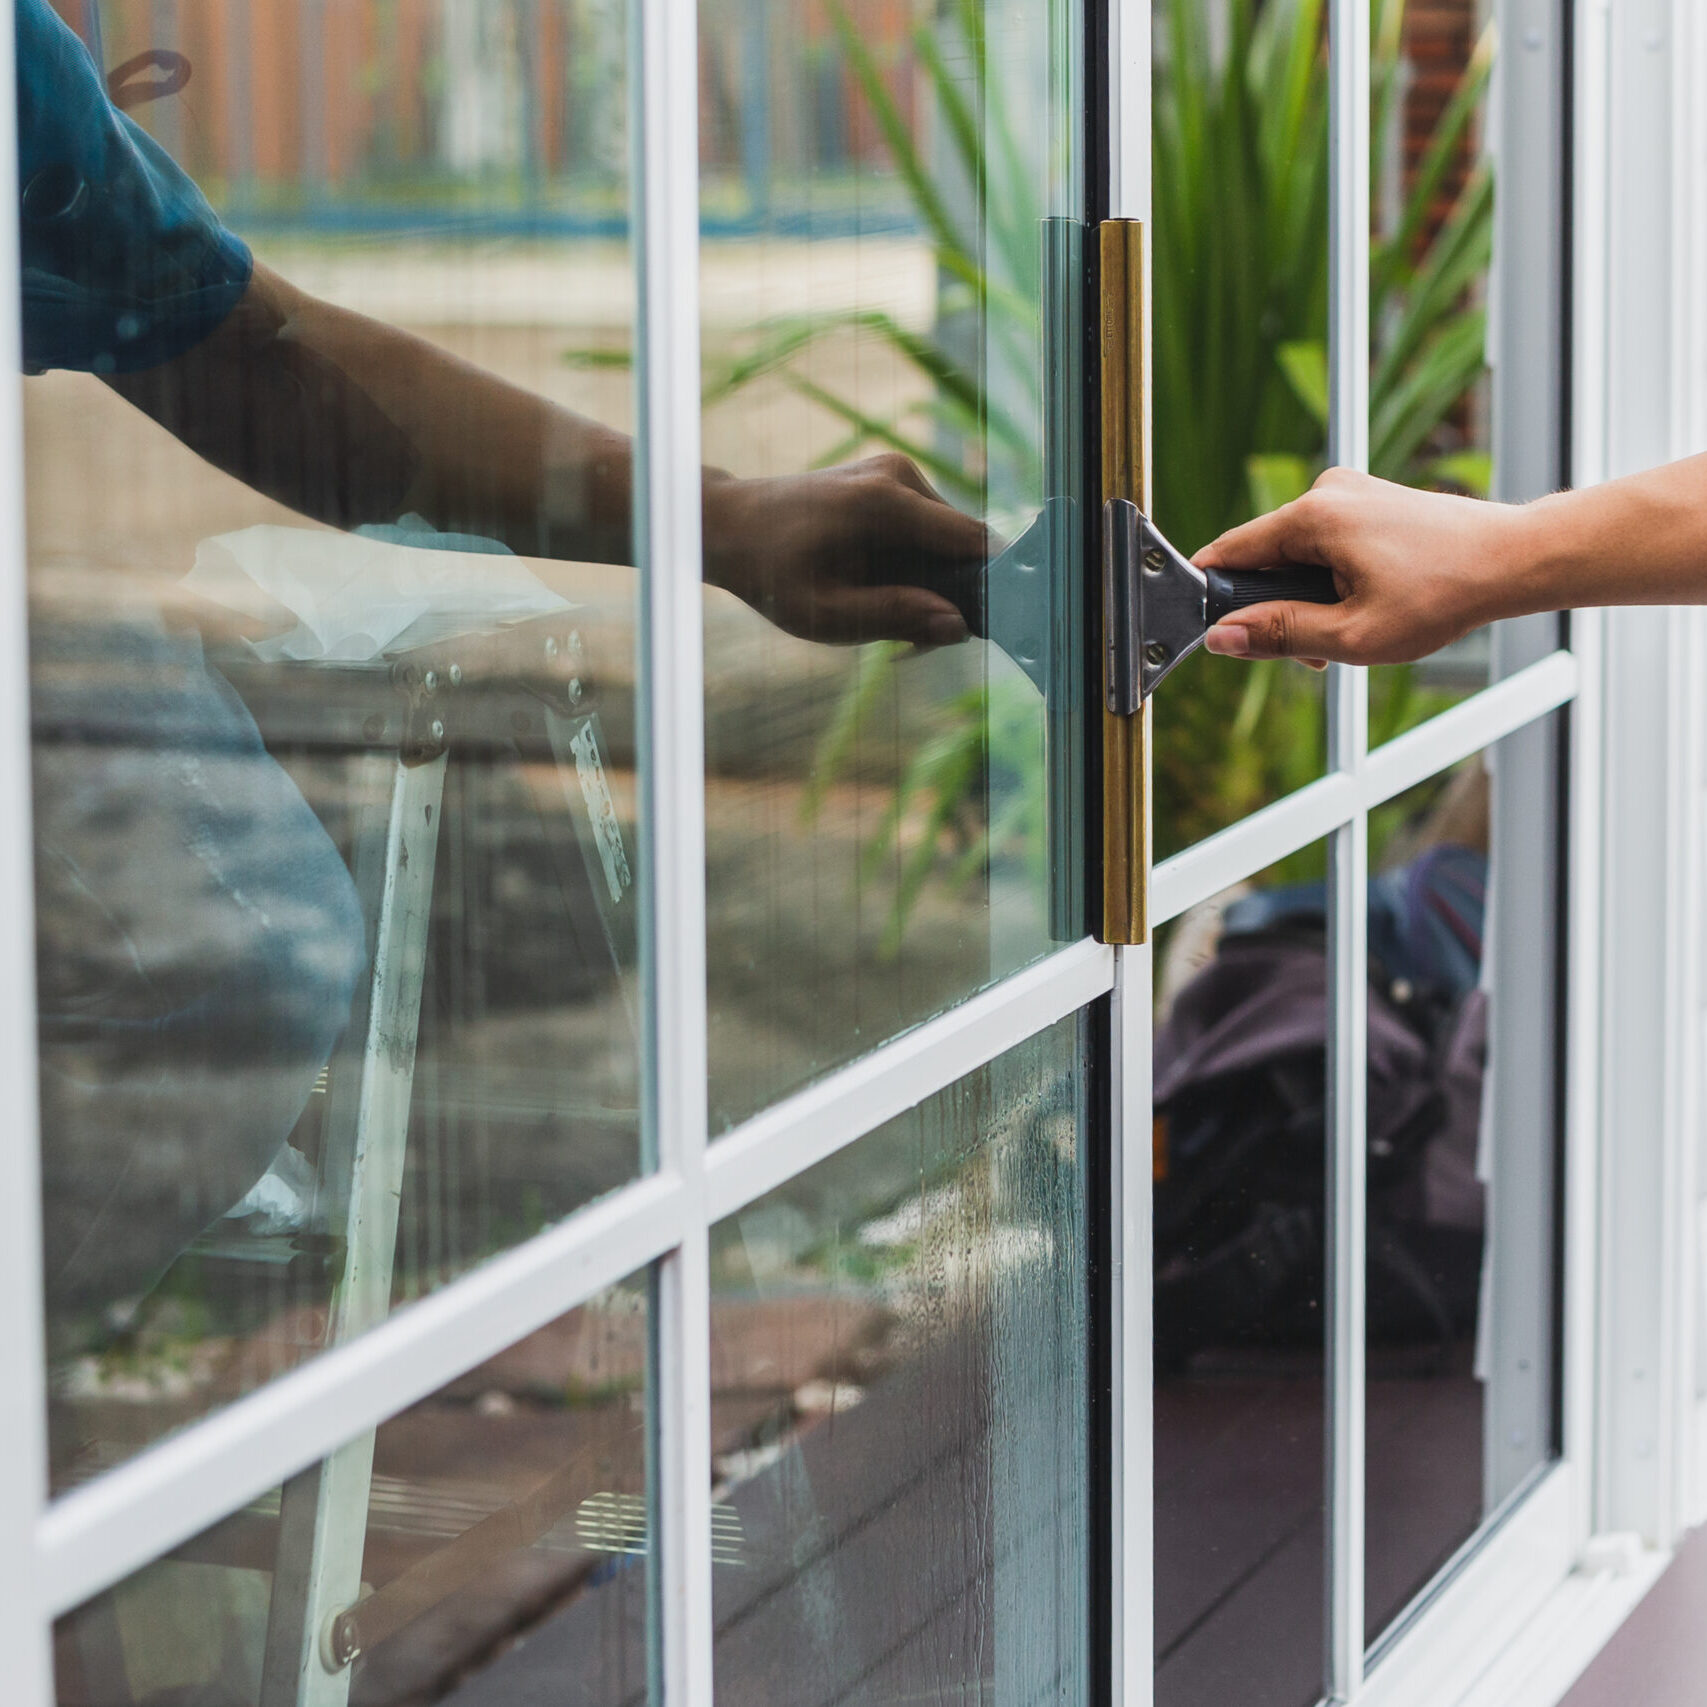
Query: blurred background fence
[[376, 113]]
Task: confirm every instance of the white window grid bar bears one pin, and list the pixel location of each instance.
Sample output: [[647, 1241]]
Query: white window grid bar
[[1589, 258], [1128, 1293], [1580, 1224], [1495, 1584], [812, 1125], [1347, 1180], [24, 1634], [672, 747], [1320, 807], [97, 1534], [1130, 1303], [93, 1537], [1348, 745]]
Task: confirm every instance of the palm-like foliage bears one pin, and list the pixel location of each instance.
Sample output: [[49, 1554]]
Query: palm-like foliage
[[1241, 216], [1240, 246], [979, 207], [1241, 221]]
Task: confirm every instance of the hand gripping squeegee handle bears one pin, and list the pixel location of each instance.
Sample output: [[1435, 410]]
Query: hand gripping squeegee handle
[[1228, 590], [1158, 605]]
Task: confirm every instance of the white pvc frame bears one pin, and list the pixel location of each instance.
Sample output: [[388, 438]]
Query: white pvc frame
[[55, 1556]]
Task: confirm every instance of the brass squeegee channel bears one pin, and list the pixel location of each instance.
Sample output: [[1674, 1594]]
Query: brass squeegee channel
[[1124, 276]]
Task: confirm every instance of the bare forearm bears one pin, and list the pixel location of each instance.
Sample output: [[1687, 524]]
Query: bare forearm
[[489, 457], [1417, 570], [1641, 540], [349, 421]]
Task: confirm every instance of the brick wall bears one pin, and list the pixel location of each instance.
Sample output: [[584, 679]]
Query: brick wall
[[1439, 36]]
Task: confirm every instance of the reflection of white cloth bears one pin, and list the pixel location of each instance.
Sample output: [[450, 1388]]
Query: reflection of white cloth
[[353, 598], [282, 1199]]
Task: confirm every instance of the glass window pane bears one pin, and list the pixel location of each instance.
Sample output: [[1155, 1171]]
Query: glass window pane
[[891, 279], [1240, 1193], [1240, 340], [899, 1407], [1431, 241], [1463, 1138], [498, 1554], [315, 496]]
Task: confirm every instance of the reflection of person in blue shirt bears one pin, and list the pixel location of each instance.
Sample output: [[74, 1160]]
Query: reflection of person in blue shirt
[[128, 274], [199, 940], [124, 265]]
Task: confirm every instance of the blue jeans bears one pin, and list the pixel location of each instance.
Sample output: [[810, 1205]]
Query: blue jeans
[[199, 941]]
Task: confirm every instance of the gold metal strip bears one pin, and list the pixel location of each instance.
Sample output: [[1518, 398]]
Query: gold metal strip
[[1126, 828]]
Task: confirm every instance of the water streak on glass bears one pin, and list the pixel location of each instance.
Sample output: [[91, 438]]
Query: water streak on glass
[[1239, 1169], [1462, 1148], [328, 312], [499, 1553], [899, 1405], [891, 285]]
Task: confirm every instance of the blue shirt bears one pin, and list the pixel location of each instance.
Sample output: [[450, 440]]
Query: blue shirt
[[124, 263]]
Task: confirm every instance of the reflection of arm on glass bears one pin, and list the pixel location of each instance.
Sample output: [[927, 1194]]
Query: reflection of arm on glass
[[128, 274], [1420, 569], [200, 938], [352, 421]]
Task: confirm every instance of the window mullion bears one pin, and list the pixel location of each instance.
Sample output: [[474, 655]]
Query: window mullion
[[1131, 1480], [672, 746], [24, 1627], [1348, 744], [1130, 1300], [1347, 1055]]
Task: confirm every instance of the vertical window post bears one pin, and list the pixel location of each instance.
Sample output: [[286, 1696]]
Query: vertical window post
[[1348, 741], [23, 1467], [671, 709], [1131, 1590]]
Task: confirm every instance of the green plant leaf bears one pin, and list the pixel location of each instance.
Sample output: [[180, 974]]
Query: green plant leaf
[[1458, 256], [1392, 258], [873, 672], [1276, 478], [1240, 224], [598, 358], [1471, 471], [779, 342], [1010, 219], [1304, 361], [955, 253], [1429, 390], [884, 432]]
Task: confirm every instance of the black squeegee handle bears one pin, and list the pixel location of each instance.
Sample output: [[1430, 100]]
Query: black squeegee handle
[[1233, 589]]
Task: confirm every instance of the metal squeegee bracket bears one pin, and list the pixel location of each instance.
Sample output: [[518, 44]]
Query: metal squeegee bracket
[[1153, 605]]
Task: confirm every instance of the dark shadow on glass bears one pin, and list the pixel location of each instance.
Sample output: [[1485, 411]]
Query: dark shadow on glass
[[1239, 1198]]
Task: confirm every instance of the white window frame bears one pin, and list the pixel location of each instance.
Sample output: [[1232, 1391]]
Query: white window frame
[[1530, 1601]]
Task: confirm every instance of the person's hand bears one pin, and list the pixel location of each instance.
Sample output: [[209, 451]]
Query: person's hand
[[1415, 570], [860, 552]]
